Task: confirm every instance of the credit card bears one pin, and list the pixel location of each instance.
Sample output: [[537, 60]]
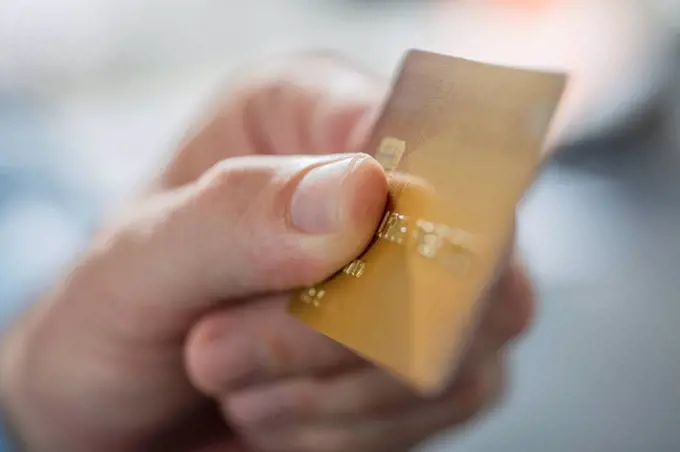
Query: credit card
[[461, 142]]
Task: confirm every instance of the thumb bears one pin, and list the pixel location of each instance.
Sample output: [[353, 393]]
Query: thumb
[[249, 225], [276, 223], [112, 330]]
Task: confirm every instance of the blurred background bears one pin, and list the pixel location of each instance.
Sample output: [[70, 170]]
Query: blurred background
[[95, 93]]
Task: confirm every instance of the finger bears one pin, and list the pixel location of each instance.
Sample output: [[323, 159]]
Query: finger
[[466, 400], [508, 315], [314, 103], [250, 225], [258, 342], [255, 343], [277, 223], [345, 396], [352, 393], [399, 430], [512, 305]]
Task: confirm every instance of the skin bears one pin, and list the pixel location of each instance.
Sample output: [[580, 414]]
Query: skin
[[170, 333]]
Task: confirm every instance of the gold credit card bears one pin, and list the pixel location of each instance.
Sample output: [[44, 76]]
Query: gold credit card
[[461, 142]]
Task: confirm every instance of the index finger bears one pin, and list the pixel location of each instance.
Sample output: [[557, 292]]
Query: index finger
[[309, 104]]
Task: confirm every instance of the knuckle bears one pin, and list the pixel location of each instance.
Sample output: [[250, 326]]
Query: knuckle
[[277, 87], [288, 350], [237, 181], [280, 354], [274, 89], [276, 356], [238, 197], [272, 107]]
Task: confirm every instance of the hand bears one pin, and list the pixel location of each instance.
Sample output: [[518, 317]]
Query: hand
[[170, 332]]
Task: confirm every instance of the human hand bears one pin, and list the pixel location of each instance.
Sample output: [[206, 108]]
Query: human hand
[[170, 333]]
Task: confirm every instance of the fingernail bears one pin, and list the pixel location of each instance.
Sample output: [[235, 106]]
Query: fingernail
[[318, 199]]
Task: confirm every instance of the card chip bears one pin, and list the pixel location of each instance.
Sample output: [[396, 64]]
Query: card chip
[[390, 152]]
